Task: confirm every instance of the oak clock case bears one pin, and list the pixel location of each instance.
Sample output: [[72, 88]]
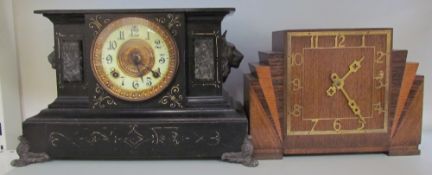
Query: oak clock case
[[138, 84], [356, 98], [333, 91]]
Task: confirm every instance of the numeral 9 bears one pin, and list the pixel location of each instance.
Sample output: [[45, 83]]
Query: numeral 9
[[296, 84], [109, 59]]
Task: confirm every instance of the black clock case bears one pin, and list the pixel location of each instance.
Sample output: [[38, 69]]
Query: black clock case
[[191, 118]]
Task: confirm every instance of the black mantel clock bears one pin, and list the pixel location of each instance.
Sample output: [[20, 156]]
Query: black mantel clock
[[137, 84]]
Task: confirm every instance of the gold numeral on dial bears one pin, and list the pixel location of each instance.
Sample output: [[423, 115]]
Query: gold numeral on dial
[[340, 41], [296, 111], [296, 59], [363, 41], [314, 41], [337, 126], [296, 84], [380, 79], [315, 122], [378, 107], [380, 57]]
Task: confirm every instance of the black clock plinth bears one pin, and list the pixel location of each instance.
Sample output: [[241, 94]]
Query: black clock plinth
[[189, 118], [126, 134]]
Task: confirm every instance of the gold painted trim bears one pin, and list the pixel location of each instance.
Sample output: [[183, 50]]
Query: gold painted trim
[[173, 98]]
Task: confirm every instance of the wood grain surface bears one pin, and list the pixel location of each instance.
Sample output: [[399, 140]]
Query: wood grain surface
[[407, 82], [295, 77], [407, 135]]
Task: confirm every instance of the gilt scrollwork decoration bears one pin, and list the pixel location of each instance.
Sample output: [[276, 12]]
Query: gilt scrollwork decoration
[[135, 137], [171, 21], [173, 98], [101, 99], [97, 22]]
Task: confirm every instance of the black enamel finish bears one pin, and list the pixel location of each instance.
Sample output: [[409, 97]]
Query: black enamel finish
[[189, 119]]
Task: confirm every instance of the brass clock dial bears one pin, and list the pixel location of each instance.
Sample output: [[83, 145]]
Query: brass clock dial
[[134, 58], [338, 82]]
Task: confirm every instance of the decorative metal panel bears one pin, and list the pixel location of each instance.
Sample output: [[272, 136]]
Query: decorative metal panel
[[204, 59], [71, 55]]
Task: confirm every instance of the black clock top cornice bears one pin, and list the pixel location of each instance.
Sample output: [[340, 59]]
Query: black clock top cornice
[[156, 10]]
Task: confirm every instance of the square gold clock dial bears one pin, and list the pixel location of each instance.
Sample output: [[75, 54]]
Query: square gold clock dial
[[337, 82]]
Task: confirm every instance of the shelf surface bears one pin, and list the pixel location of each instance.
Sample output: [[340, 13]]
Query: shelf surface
[[353, 164]]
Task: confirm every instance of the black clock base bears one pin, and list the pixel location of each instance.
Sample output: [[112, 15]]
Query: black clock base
[[85, 134]]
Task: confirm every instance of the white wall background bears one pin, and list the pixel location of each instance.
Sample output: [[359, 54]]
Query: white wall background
[[249, 28], [9, 77], [2, 137]]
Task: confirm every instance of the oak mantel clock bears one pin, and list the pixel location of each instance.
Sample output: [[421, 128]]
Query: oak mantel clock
[[140, 83], [336, 91]]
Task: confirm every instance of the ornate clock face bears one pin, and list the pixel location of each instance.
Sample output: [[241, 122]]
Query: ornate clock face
[[134, 59], [337, 82]]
